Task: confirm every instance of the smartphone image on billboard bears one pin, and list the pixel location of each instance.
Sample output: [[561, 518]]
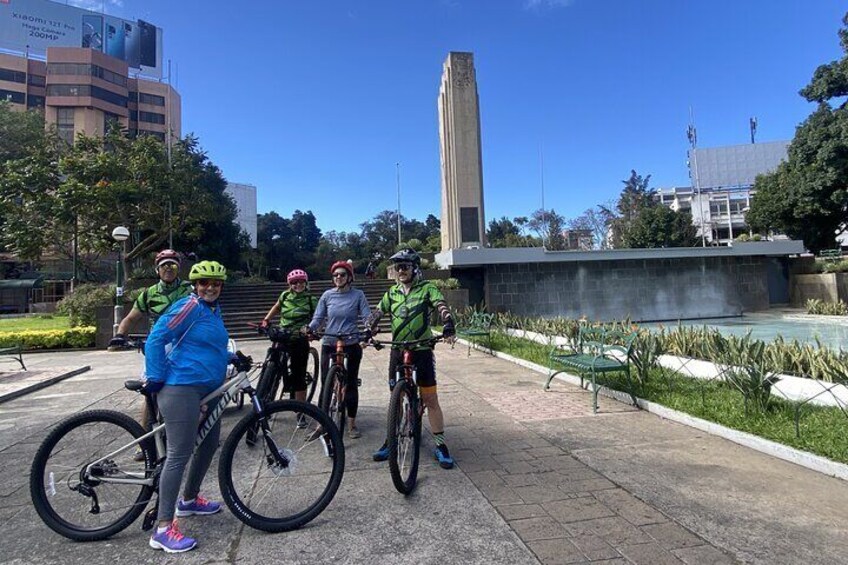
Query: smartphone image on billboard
[[115, 38], [92, 32], [147, 50], [132, 44]]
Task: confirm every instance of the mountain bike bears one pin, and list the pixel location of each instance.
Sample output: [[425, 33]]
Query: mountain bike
[[277, 364], [334, 387], [405, 414], [86, 486]]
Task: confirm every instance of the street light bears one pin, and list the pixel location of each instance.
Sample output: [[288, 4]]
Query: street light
[[119, 234]]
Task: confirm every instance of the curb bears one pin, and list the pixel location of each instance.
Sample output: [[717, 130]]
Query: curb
[[803, 458], [42, 384]]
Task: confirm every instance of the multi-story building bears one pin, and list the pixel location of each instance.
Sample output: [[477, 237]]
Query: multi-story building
[[723, 181], [81, 90], [244, 196]]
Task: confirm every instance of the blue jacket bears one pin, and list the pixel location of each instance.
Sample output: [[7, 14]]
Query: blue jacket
[[188, 345]]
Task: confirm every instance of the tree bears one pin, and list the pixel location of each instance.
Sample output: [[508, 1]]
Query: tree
[[21, 133], [635, 197], [806, 197], [596, 221], [549, 226], [658, 226]]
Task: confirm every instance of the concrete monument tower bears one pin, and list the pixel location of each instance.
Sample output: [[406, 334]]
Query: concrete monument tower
[[463, 220]]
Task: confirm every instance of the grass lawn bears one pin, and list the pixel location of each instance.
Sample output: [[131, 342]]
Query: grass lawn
[[34, 323], [823, 430]]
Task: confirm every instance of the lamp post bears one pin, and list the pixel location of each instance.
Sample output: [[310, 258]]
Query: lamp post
[[119, 234]]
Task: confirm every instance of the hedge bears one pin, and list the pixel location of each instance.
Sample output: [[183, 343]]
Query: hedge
[[82, 336]]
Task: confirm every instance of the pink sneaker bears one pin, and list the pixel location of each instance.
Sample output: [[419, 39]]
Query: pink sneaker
[[172, 540], [199, 506]]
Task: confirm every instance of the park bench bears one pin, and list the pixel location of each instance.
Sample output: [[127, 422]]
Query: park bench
[[479, 325], [15, 352], [599, 351], [830, 254]]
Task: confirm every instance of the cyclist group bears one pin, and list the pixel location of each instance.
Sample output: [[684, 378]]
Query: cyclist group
[[187, 355]]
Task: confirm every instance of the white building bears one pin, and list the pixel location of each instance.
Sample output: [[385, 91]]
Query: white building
[[245, 199], [722, 183]]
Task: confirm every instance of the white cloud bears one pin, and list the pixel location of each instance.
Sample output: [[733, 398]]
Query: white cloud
[[96, 5], [546, 4]]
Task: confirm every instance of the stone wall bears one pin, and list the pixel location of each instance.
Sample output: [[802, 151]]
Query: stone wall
[[830, 287], [639, 289]]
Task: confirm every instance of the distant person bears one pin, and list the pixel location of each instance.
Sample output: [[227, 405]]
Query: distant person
[[370, 271], [296, 306], [344, 309]]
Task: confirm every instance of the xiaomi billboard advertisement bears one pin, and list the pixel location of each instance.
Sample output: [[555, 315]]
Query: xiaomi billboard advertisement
[[35, 25]]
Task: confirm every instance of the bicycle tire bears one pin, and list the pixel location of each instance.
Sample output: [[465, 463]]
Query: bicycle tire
[[312, 376], [267, 497], [264, 386], [404, 437], [331, 404], [89, 436]]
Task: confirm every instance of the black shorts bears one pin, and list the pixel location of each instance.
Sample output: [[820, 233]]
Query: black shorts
[[294, 380], [424, 362]]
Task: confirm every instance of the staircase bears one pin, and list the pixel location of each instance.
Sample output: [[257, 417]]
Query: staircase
[[245, 303]]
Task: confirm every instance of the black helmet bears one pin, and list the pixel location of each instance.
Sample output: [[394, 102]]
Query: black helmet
[[407, 255]]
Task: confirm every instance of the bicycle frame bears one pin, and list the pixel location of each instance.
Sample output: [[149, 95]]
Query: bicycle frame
[[226, 391]]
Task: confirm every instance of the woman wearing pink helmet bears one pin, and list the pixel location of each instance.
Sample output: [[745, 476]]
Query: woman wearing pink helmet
[[296, 307]]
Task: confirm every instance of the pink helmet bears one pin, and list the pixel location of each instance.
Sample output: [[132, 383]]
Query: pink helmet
[[167, 256], [297, 275]]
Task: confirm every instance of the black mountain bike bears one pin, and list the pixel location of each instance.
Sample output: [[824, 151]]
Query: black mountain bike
[[405, 415], [334, 387], [86, 485], [277, 365]]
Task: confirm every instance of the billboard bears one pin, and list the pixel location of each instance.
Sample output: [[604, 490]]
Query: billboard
[[35, 25], [736, 165]]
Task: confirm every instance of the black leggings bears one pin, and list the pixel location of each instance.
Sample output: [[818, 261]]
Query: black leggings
[[354, 357]]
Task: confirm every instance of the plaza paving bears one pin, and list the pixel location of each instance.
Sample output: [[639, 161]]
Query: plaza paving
[[539, 480]]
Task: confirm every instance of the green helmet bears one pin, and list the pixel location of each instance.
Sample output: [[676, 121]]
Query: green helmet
[[208, 270]]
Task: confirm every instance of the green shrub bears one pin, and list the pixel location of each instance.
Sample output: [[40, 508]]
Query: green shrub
[[253, 279], [81, 305], [821, 307], [743, 237], [50, 339], [446, 284]]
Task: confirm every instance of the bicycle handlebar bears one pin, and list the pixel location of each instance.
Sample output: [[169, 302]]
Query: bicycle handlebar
[[432, 340]]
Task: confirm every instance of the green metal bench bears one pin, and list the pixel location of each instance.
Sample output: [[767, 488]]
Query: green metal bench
[[830, 254], [15, 352], [479, 325], [599, 351]]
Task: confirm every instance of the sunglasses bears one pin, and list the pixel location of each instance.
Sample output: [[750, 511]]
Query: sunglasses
[[297, 282], [212, 283], [403, 267], [169, 267], [340, 275]]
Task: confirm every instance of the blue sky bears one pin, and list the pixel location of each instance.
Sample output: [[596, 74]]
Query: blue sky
[[315, 101]]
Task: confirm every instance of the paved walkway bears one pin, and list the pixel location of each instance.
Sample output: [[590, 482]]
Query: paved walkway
[[539, 479]]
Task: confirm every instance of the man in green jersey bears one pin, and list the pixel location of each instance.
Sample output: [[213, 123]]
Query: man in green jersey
[[296, 307], [156, 299], [410, 303]]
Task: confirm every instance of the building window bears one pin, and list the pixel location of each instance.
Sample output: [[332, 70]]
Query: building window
[[87, 90], [37, 80], [82, 69], [65, 124], [35, 101], [151, 118], [133, 115], [12, 76], [151, 99], [12, 96]]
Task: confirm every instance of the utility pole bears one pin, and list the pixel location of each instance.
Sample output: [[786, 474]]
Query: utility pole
[[692, 134], [397, 167], [542, 185], [752, 123]]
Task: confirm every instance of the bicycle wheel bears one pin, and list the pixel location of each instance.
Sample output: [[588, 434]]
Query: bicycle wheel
[[332, 397], [404, 435], [78, 501], [272, 495], [311, 374]]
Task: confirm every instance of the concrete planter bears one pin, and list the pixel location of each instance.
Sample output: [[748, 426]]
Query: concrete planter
[[830, 287]]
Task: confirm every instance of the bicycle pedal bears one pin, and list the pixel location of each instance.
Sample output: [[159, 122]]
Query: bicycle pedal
[[149, 518], [358, 382]]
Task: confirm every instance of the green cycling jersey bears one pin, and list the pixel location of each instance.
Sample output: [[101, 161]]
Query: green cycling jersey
[[410, 311]]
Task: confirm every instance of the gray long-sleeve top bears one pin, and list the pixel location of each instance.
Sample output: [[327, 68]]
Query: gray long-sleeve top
[[344, 311]]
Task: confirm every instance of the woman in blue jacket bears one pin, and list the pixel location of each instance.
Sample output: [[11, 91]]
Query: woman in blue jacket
[[185, 359]]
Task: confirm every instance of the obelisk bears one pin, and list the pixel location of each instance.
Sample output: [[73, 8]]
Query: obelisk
[[463, 220]]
